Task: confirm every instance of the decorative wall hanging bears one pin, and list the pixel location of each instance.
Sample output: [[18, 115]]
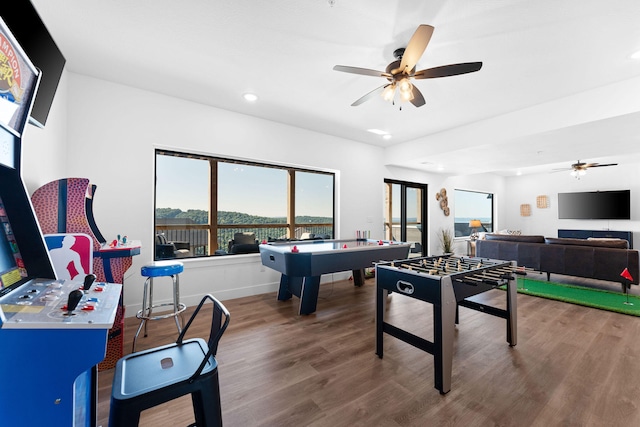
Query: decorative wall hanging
[[542, 202], [525, 210], [444, 201]]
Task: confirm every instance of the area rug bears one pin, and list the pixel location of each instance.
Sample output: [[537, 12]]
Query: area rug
[[597, 298]]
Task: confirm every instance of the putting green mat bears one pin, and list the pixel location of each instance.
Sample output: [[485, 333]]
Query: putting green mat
[[597, 298]]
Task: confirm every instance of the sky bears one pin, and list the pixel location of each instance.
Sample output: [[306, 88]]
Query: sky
[[472, 205], [184, 183]]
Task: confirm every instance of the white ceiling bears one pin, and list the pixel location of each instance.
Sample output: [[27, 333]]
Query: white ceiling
[[557, 82]]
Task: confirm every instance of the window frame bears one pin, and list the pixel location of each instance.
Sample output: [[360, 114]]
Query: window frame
[[290, 226], [491, 223]]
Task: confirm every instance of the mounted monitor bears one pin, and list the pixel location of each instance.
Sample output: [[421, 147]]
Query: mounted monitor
[[19, 80], [29, 30], [595, 205]]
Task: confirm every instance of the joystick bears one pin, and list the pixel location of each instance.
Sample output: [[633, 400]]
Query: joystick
[[74, 298], [88, 281]]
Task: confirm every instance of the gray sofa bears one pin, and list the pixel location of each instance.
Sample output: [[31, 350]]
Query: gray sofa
[[603, 259]]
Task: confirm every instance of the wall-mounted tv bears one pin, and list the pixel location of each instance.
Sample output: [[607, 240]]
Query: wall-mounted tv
[[595, 205]]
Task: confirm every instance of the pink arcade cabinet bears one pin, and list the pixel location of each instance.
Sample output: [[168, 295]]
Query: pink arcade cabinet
[[66, 206]]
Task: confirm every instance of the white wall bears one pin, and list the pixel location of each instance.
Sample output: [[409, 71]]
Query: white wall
[[525, 189], [44, 150]]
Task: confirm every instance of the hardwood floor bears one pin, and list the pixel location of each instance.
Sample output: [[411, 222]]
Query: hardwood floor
[[573, 366]]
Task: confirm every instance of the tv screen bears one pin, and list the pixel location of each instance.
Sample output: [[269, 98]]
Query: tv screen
[[595, 205], [27, 27]]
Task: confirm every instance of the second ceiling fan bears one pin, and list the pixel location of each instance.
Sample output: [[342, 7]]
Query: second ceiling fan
[[400, 72], [580, 168]]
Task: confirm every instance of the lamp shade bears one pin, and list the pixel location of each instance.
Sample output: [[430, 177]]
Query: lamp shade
[[475, 223]]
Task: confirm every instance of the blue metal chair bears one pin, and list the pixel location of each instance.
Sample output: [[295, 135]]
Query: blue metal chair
[[151, 377]]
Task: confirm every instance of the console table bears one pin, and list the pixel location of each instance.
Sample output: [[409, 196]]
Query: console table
[[610, 234]]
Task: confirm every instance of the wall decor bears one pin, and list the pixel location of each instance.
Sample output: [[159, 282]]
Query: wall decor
[[441, 196], [525, 209], [542, 202]]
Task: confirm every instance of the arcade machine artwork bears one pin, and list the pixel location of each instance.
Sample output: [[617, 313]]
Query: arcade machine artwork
[[50, 340]]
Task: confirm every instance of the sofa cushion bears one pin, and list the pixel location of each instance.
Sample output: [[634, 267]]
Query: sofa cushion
[[515, 238], [602, 243], [244, 238]]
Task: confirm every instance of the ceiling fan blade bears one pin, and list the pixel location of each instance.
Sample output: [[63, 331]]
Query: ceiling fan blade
[[416, 47], [448, 70], [362, 71], [598, 165], [418, 99], [369, 95]]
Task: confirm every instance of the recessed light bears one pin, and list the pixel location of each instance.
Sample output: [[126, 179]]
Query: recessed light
[[378, 131], [251, 97]]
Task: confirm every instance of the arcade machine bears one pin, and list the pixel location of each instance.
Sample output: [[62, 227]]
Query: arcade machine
[[66, 206], [53, 333]]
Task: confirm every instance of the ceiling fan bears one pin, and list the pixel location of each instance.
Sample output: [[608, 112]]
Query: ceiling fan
[[400, 72], [580, 168]]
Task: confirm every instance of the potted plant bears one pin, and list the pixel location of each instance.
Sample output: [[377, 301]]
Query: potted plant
[[445, 237]]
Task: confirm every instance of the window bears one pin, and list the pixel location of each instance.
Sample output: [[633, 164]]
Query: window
[[201, 202], [472, 205], [405, 206]]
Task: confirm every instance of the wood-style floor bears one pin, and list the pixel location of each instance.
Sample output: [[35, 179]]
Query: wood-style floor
[[573, 366]]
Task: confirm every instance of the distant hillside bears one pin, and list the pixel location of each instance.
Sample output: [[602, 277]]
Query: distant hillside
[[199, 216]]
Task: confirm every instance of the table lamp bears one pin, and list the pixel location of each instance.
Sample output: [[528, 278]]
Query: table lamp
[[474, 224]]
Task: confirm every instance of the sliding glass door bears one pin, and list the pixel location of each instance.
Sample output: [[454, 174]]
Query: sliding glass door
[[405, 219]]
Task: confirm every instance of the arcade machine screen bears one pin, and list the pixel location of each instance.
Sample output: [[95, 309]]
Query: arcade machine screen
[[12, 269], [19, 81]]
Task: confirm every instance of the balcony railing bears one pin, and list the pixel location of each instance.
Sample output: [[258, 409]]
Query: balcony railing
[[197, 236]]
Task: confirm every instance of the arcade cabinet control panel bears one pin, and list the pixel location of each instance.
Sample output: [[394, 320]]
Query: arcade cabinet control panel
[[55, 304]]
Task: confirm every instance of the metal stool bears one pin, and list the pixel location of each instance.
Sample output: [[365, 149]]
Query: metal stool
[[150, 271]]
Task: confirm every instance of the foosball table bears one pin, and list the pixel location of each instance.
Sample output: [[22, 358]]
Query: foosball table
[[446, 282]]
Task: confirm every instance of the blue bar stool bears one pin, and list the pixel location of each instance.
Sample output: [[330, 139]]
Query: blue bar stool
[[150, 271]]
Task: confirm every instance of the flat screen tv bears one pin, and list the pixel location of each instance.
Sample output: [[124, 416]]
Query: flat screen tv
[[27, 27], [595, 205]]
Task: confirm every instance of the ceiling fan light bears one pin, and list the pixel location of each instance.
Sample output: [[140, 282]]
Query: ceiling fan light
[[405, 86], [406, 95], [389, 92]]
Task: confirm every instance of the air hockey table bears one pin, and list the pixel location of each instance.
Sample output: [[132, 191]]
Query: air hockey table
[[303, 262]]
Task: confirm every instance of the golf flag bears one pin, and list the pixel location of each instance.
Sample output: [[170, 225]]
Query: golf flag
[[625, 273]]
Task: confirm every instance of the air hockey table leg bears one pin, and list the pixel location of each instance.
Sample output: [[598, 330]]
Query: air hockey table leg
[[286, 284], [309, 295], [358, 277]]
